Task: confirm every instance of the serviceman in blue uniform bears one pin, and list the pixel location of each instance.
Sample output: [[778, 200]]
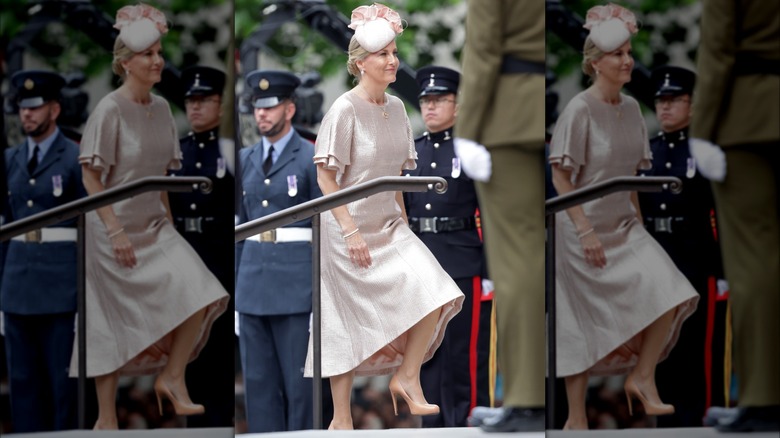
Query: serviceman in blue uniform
[[273, 282], [38, 292], [457, 377], [206, 221], [691, 378]]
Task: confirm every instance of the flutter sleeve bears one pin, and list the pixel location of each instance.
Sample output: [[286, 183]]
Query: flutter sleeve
[[175, 162], [569, 142], [101, 136], [336, 136], [411, 155], [646, 162]]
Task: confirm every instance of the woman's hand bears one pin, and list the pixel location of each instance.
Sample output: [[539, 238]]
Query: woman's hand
[[594, 251], [358, 251], [123, 250]]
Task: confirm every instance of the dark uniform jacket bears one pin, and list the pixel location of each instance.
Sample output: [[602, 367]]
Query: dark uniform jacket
[[206, 220], [40, 278], [275, 278], [460, 253], [684, 223]]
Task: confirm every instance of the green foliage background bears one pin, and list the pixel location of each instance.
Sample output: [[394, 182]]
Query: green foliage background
[[65, 49]]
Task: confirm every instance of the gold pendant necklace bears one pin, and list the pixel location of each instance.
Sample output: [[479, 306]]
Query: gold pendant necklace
[[381, 107]]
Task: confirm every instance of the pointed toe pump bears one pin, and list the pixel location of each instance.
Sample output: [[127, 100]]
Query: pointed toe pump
[[181, 408], [396, 390]]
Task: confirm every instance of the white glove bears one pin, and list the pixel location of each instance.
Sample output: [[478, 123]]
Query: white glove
[[487, 287], [235, 322], [710, 159], [474, 159]]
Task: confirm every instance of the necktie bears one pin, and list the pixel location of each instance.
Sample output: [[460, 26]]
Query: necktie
[[269, 161], [33, 163]]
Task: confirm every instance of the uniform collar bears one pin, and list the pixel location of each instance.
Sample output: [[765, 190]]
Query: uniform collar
[[439, 136], [201, 137], [679, 135]]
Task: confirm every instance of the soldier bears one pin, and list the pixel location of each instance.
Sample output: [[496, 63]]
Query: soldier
[[502, 108], [736, 142], [38, 292], [456, 378], [684, 224], [273, 283], [206, 222]]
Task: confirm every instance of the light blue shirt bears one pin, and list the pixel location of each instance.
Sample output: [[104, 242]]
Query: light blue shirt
[[43, 146], [278, 146]]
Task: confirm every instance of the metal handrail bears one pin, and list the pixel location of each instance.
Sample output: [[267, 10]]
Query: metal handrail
[[78, 208], [568, 200], [341, 197], [107, 197], [313, 209]]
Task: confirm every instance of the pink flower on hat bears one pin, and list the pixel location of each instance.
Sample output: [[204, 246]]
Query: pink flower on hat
[[140, 26], [375, 26], [610, 26]]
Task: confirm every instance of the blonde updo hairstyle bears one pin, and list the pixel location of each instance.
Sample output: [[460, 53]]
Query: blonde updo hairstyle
[[590, 54], [356, 53], [121, 53]]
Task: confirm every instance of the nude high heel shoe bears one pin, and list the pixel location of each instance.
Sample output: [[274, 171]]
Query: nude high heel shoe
[[651, 408], [162, 390], [396, 390]]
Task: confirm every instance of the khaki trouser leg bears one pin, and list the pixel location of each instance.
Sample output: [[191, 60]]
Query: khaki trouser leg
[[512, 204], [749, 222]]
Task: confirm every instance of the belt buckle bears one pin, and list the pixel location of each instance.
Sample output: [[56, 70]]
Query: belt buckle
[[193, 224], [663, 225], [428, 225], [268, 236], [33, 236]]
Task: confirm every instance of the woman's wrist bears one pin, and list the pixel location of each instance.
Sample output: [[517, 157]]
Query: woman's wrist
[[582, 234], [351, 233]]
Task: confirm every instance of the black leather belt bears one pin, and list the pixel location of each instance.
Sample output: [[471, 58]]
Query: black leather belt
[[666, 224], [441, 224], [199, 224], [510, 64], [749, 64]]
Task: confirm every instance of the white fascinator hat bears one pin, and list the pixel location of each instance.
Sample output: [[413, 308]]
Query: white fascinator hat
[[610, 26], [140, 26], [375, 26]]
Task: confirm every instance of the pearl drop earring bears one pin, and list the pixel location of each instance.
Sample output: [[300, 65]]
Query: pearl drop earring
[[362, 72]]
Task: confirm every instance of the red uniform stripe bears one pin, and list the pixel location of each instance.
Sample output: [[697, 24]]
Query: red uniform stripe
[[475, 307], [712, 296]]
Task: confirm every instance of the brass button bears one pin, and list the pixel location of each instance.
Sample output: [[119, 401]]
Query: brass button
[[267, 182], [193, 206], [32, 181], [265, 203], [30, 203], [201, 145], [436, 145], [668, 165], [433, 165], [663, 206], [427, 206], [198, 165]]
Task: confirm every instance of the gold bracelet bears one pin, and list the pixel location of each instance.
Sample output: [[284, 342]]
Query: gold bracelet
[[351, 233], [116, 233], [584, 233]]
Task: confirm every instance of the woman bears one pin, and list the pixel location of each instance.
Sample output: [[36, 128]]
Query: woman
[[385, 300], [621, 301], [150, 299]]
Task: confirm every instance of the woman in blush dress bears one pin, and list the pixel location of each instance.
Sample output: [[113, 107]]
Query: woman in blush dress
[[385, 299], [621, 300], [150, 299]]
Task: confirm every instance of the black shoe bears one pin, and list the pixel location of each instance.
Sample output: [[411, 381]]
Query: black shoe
[[480, 413], [515, 420], [752, 419], [716, 414]]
